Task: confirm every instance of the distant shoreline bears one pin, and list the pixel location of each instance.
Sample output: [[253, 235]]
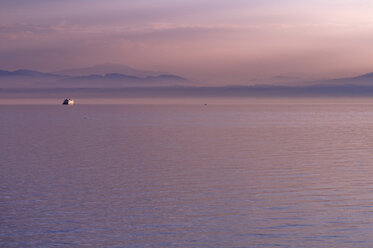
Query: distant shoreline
[[192, 92]]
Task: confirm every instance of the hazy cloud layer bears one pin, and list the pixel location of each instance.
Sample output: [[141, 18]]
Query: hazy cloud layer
[[215, 41]]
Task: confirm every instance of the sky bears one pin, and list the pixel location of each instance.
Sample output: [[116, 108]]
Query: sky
[[212, 41]]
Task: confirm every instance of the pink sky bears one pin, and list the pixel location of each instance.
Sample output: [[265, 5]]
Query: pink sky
[[230, 42]]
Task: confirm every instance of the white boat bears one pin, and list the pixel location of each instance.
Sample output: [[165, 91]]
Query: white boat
[[68, 101]]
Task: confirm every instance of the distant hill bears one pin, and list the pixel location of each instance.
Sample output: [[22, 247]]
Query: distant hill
[[122, 80], [175, 85], [27, 73], [35, 79], [365, 79], [108, 68], [26, 78]]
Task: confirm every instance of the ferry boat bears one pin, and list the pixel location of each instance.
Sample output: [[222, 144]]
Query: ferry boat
[[68, 101]]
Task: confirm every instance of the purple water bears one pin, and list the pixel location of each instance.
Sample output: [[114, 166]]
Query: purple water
[[254, 175]]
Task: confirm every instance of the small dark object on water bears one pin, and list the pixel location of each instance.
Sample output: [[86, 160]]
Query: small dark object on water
[[68, 101]]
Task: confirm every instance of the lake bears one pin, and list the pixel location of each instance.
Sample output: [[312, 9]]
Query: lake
[[259, 174]]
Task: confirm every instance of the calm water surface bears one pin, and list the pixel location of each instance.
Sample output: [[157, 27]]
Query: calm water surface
[[255, 175]]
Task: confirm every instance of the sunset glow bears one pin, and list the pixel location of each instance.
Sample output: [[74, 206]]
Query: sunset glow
[[230, 42]]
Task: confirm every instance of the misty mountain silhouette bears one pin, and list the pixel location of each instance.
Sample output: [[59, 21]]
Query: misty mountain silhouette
[[31, 79], [365, 79], [27, 73], [121, 80], [368, 75], [108, 68], [173, 85]]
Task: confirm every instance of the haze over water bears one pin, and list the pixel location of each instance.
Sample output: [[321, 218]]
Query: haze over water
[[269, 174], [243, 123]]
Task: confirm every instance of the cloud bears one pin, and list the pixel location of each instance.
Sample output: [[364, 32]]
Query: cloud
[[209, 40]]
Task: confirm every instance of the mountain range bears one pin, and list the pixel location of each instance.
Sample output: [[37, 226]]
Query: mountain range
[[108, 68], [365, 79], [106, 79], [101, 76]]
